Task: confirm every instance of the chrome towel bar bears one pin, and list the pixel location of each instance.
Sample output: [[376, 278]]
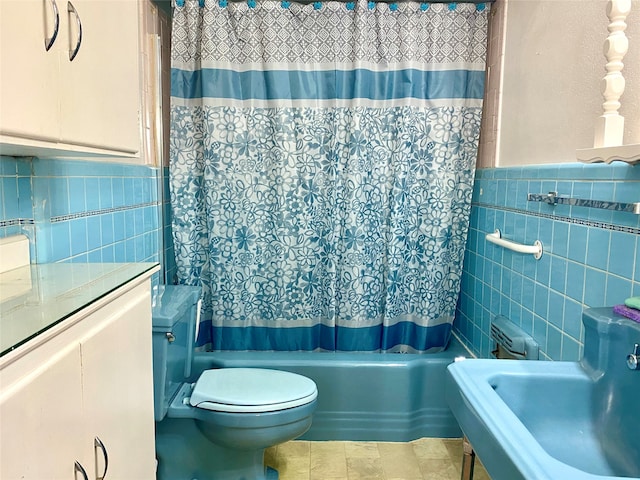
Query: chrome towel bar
[[552, 198], [535, 249]]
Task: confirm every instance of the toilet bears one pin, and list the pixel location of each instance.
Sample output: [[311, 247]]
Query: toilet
[[217, 427]]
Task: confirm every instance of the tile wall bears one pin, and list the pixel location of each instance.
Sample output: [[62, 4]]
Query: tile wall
[[169, 255], [591, 256], [16, 205], [81, 211]]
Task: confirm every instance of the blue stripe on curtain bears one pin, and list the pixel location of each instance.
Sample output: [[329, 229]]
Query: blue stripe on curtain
[[323, 337], [326, 84]]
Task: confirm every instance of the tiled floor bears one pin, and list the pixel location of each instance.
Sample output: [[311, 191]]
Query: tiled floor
[[423, 459]]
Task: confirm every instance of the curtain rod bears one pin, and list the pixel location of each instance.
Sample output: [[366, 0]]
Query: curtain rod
[[165, 5]]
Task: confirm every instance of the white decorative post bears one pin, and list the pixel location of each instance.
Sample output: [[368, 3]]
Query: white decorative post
[[610, 125], [608, 144]]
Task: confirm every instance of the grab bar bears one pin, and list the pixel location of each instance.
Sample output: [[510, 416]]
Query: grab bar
[[535, 249], [552, 198]]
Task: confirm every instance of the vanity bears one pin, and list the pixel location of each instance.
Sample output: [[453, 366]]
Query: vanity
[[76, 386]]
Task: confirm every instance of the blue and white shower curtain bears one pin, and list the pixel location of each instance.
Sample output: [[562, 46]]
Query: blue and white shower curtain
[[322, 160]]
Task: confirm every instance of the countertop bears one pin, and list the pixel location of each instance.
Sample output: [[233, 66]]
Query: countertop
[[36, 297]]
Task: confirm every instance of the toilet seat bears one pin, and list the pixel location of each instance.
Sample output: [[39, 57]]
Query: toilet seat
[[251, 390]]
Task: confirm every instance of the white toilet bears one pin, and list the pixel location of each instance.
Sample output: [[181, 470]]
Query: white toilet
[[218, 427]]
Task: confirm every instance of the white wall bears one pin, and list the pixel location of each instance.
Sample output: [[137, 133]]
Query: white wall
[[549, 94]]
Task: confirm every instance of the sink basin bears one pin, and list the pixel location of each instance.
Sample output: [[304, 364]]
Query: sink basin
[[555, 420]]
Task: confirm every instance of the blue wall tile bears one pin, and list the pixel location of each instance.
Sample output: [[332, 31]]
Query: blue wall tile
[[10, 197], [107, 229], [58, 195], [78, 211], [25, 199], [78, 231], [106, 193], [77, 199], [618, 290], [16, 213], [60, 240], [598, 248], [575, 281], [95, 236], [577, 246], [590, 256], [554, 342], [92, 193], [594, 287], [622, 253]]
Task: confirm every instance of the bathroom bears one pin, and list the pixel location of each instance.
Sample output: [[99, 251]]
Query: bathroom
[[541, 105]]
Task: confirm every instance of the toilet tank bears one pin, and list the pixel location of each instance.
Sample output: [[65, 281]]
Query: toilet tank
[[174, 314]]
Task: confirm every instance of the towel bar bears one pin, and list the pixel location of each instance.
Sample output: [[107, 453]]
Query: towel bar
[[552, 198], [535, 249]]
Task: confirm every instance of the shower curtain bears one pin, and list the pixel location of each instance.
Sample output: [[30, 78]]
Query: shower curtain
[[321, 166]]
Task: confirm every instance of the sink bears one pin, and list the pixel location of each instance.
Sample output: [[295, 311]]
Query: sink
[[555, 420]]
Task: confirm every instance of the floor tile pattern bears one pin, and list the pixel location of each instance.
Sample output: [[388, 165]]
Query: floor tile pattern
[[422, 459]]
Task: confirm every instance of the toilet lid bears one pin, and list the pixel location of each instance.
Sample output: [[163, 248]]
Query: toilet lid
[[251, 390]]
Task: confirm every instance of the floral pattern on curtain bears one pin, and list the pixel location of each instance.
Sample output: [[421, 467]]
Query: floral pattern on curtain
[[322, 162]]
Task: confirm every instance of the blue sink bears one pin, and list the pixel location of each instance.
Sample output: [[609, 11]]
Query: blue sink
[[539, 420]]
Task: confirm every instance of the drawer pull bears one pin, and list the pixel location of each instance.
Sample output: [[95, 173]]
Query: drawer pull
[[97, 443], [48, 42], [79, 468], [73, 52]]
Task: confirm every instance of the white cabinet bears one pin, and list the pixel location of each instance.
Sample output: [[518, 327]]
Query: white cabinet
[[29, 75], [40, 436], [52, 106], [118, 391], [92, 379]]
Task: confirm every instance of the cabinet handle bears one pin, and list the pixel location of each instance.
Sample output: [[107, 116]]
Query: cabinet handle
[[48, 42], [97, 443], [74, 52], [78, 468]]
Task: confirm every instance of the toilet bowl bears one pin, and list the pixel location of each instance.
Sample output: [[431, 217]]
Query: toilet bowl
[[218, 427]]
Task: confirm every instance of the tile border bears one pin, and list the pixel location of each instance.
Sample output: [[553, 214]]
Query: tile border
[[562, 218], [17, 221], [92, 213]]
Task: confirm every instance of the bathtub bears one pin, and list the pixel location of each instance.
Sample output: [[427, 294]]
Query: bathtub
[[363, 396]]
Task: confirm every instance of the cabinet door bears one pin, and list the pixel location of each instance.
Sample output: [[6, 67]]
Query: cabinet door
[[42, 433], [118, 390], [29, 75], [100, 99]]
